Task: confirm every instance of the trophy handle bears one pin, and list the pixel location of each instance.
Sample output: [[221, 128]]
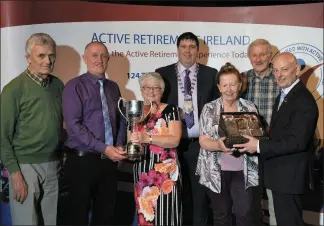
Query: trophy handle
[[118, 104], [148, 111]]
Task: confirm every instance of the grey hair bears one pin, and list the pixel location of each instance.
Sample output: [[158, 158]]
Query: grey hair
[[260, 42], [38, 39], [153, 76]]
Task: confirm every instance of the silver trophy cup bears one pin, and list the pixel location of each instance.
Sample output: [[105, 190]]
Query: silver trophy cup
[[134, 114]]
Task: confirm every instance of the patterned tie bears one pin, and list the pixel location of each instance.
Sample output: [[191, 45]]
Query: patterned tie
[[45, 82], [189, 117], [282, 97], [105, 112], [187, 83]]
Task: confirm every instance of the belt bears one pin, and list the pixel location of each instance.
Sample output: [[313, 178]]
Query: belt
[[192, 139], [185, 142], [86, 153]]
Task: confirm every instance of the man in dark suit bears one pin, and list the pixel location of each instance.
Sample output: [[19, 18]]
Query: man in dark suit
[[190, 85], [286, 155]]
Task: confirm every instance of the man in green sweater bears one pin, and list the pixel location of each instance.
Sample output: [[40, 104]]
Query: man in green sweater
[[31, 135]]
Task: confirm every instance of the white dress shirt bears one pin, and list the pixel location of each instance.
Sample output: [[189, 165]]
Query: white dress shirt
[[193, 132]]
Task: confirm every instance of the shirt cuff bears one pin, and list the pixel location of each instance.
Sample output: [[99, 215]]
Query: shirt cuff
[[13, 167], [258, 148], [101, 147]]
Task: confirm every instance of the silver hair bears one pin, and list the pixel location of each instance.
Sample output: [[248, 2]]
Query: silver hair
[[152, 76], [260, 42], [39, 39]]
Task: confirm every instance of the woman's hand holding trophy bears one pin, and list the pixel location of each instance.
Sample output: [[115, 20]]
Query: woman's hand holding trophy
[[135, 113], [138, 137]]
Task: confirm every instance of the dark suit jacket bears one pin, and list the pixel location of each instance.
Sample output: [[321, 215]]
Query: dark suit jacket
[[207, 89], [286, 154]]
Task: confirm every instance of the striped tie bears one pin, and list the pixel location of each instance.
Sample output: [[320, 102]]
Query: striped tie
[[189, 117], [105, 111]]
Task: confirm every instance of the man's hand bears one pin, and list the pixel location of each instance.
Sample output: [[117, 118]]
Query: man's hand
[[121, 149], [115, 154], [251, 146], [20, 187]]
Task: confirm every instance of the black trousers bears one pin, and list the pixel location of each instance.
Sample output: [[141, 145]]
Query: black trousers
[[288, 209], [195, 199], [233, 193], [91, 185]]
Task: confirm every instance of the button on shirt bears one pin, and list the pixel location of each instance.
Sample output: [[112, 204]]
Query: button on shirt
[[193, 132], [82, 110], [262, 92], [40, 81]]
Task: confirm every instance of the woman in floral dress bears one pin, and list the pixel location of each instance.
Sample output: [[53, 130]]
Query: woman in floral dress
[[157, 176]]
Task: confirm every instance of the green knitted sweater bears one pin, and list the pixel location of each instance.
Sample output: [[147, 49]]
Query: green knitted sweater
[[31, 122]]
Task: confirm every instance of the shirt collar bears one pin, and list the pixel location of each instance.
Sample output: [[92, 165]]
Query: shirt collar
[[239, 104], [95, 79], [40, 81], [182, 68], [287, 89], [269, 75]]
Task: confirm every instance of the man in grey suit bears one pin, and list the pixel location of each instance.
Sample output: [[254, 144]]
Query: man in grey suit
[[190, 85], [286, 155]]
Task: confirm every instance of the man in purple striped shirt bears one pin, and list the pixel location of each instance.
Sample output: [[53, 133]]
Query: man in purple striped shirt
[[96, 137]]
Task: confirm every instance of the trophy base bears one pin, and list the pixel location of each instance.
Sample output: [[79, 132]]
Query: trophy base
[[236, 153], [134, 158], [231, 140], [134, 152]]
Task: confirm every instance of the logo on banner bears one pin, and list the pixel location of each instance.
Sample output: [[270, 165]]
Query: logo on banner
[[310, 60]]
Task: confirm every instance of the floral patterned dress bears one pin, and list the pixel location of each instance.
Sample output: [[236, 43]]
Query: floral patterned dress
[[157, 177]]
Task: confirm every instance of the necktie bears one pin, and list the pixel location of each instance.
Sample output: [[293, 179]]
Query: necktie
[[45, 82], [189, 117], [105, 112], [282, 97], [187, 83]]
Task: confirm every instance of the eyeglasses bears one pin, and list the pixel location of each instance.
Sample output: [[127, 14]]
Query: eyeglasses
[[154, 88]]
